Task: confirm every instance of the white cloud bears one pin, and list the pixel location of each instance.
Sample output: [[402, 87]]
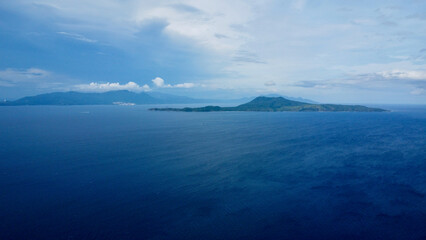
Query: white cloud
[[418, 91], [34, 78], [184, 85], [23, 74], [11, 77], [159, 82], [212, 24], [130, 86], [105, 87], [78, 37], [270, 83], [404, 74], [209, 24]]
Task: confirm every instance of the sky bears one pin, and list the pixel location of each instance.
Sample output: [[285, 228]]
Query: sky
[[329, 51]]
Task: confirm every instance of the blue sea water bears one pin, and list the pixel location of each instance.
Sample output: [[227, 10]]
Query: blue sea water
[[123, 172]]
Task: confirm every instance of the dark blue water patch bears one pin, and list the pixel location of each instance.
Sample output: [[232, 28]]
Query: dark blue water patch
[[118, 172]]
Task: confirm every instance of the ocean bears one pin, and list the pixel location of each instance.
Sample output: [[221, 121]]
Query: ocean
[[123, 172]]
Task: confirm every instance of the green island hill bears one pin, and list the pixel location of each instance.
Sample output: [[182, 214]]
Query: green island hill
[[277, 104]]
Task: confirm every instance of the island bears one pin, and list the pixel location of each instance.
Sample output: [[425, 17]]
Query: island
[[277, 104]]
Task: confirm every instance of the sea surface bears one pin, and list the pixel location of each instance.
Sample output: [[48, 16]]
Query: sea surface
[[123, 172]]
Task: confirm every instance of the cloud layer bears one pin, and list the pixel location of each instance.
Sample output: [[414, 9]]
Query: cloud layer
[[159, 82], [77, 37], [330, 50], [105, 87], [130, 86], [11, 77]]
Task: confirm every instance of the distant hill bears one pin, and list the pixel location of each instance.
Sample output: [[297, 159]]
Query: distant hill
[[79, 98], [106, 98], [278, 104]]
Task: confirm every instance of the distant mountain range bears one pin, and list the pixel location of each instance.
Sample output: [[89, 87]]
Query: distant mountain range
[[79, 98], [121, 97], [278, 104]]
